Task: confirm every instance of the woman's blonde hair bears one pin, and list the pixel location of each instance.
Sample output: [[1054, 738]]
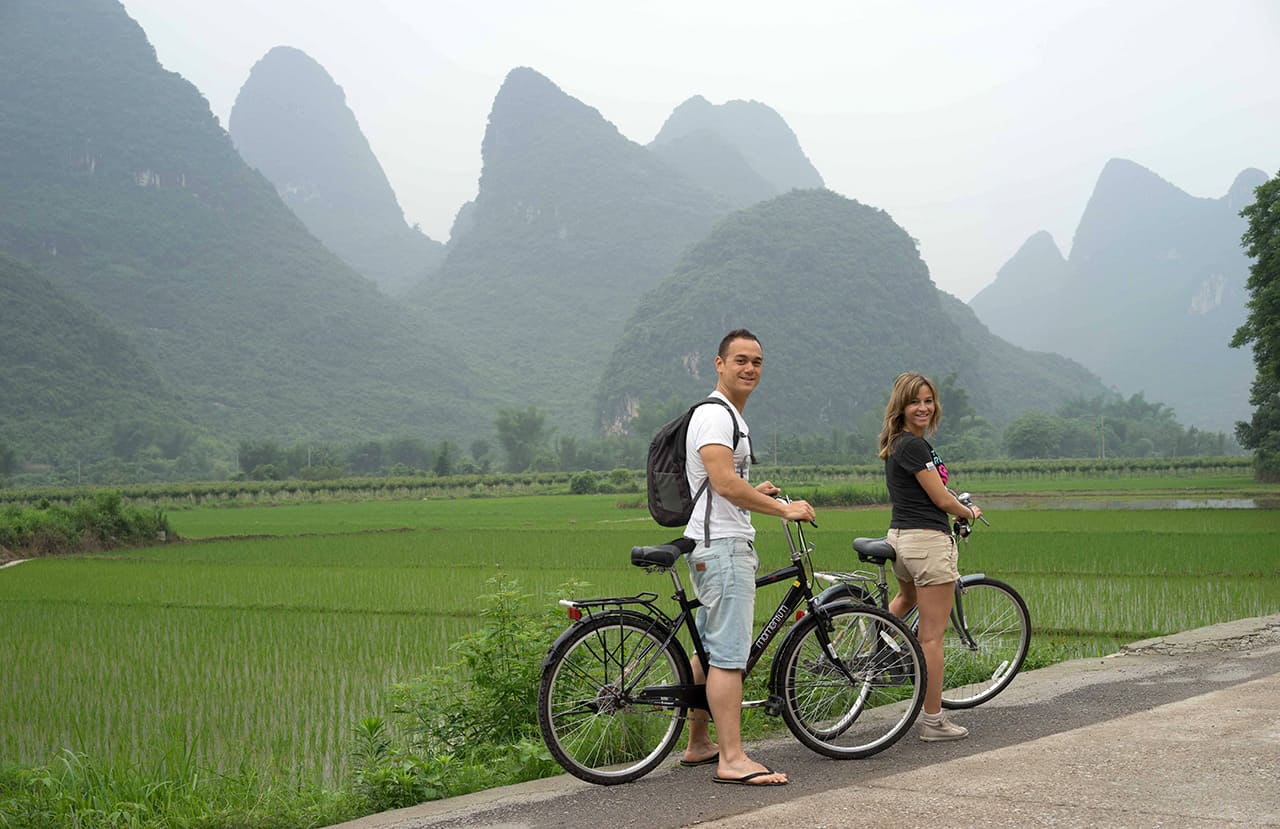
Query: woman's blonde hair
[[905, 389]]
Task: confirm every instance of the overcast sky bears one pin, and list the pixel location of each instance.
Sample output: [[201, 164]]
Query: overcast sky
[[973, 124]]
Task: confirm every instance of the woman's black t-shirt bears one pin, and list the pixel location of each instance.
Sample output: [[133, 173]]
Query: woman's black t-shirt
[[913, 509]]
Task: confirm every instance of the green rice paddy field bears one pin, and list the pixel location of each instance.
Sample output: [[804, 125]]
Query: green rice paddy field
[[264, 637]]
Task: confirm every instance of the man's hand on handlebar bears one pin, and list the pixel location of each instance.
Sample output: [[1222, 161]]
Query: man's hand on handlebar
[[791, 510]]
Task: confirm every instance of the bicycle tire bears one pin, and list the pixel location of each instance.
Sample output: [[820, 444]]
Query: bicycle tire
[[864, 708], [1000, 624], [586, 709]]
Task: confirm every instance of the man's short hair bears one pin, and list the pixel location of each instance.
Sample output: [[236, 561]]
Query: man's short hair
[[735, 334]]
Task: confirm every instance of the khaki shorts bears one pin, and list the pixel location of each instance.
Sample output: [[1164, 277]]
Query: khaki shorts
[[924, 557]]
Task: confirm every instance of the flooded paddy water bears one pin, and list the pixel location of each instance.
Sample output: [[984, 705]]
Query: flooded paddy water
[[1108, 502]]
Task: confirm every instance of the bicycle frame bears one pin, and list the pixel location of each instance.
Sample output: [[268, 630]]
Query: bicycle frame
[[800, 593], [853, 586]]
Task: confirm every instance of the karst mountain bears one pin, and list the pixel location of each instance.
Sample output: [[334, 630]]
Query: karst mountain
[[118, 185], [1149, 297], [168, 283], [842, 303], [291, 122]]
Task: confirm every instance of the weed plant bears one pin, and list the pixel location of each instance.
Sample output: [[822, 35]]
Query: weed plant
[[468, 725], [100, 522]]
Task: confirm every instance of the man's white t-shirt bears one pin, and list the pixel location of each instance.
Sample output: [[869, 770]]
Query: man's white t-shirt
[[710, 424]]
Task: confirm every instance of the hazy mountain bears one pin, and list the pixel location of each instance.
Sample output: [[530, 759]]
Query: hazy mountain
[[291, 121], [572, 223], [1149, 297], [743, 150], [164, 281], [117, 182], [710, 160], [842, 302], [67, 375], [1018, 299]]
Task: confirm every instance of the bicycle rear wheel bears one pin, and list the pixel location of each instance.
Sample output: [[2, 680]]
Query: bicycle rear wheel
[[859, 697], [981, 665], [587, 707]]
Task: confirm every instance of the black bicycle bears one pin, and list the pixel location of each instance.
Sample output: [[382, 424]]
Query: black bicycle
[[848, 679], [990, 631]]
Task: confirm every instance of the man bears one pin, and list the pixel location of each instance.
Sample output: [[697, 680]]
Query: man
[[723, 570]]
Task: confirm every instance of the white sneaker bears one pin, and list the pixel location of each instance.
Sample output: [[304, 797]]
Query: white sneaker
[[937, 728]]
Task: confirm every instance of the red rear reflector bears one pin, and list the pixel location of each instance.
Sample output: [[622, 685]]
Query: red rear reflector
[[575, 614], [799, 615]]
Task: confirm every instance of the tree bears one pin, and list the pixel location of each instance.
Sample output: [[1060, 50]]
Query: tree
[[480, 454], [253, 455], [366, 459], [522, 434], [1034, 435], [1262, 328], [442, 460], [7, 459], [411, 452]]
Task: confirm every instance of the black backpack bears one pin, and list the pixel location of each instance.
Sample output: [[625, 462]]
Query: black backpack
[[670, 500]]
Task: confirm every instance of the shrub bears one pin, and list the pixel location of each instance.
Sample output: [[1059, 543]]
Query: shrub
[[467, 726], [98, 523]]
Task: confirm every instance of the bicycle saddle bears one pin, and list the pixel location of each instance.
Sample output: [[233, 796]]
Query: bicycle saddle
[[873, 550], [661, 555]]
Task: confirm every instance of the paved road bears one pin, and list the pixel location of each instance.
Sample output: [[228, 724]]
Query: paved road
[[1180, 731]]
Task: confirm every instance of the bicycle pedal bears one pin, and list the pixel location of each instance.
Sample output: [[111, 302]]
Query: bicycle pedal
[[773, 705]]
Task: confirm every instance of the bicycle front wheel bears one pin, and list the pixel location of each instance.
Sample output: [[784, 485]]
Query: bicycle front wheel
[[852, 680], [981, 660], [587, 707]]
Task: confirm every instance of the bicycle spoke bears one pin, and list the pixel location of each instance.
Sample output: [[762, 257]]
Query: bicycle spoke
[[588, 718], [982, 661], [862, 701]]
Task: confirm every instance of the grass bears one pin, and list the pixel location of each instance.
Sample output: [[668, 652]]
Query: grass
[[255, 647]]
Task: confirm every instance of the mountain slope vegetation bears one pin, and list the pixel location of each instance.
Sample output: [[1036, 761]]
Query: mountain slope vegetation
[[842, 303], [68, 376], [117, 182]]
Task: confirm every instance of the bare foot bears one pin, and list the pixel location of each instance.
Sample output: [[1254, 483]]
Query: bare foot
[[700, 754]]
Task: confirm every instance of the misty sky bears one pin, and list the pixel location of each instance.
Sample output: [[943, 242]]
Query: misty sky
[[973, 124]]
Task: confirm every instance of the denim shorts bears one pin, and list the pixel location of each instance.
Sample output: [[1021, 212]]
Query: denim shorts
[[724, 580], [924, 557]]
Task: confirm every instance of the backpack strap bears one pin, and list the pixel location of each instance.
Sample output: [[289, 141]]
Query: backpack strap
[[737, 436]]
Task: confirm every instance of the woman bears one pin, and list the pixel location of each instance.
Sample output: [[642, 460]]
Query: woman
[[920, 532]]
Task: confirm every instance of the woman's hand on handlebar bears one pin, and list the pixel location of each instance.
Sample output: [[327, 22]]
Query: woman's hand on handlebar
[[966, 501]]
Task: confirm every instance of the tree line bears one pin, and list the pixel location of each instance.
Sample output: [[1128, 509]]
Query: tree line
[[525, 440]]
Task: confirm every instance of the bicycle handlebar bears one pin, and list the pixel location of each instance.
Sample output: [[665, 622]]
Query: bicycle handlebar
[[784, 499], [961, 527], [967, 500]]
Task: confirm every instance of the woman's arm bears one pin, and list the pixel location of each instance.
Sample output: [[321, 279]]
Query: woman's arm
[[942, 497]]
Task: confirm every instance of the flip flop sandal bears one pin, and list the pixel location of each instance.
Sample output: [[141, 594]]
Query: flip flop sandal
[[746, 779]]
